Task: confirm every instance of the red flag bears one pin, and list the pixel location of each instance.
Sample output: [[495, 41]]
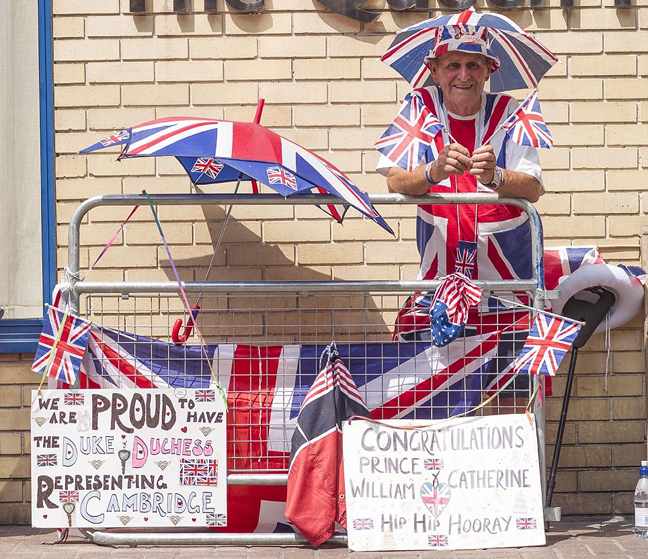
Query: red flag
[[315, 500]]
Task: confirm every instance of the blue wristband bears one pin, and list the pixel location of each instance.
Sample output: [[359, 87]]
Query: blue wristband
[[427, 177]]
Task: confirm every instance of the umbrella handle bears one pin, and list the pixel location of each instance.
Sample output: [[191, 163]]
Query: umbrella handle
[[175, 333]]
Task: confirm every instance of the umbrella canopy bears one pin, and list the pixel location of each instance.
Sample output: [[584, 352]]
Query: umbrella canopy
[[522, 59], [213, 151]]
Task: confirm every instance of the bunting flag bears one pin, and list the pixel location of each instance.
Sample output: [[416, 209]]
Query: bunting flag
[[526, 126], [315, 493], [449, 307], [549, 340], [409, 137], [61, 346]]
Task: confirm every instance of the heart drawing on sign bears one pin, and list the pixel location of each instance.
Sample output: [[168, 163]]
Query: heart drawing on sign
[[435, 498]]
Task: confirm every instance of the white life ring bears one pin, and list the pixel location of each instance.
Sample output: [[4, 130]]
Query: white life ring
[[628, 292]]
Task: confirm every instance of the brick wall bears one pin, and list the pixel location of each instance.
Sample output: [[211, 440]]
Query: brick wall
[[325, 88]]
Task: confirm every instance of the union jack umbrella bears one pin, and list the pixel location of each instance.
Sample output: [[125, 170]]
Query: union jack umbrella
[[523, 60], [214, 151]]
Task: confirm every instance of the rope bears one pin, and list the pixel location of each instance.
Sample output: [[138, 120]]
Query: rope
[[185, 300]]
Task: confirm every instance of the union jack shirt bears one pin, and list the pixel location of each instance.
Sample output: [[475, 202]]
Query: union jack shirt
[[501, 233]]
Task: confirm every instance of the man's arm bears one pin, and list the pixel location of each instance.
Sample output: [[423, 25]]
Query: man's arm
[[455, 159]]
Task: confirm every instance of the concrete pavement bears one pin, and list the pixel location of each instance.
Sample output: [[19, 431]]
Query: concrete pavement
[[578, 538]]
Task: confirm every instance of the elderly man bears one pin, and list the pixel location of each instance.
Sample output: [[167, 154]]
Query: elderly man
[[471, 154]]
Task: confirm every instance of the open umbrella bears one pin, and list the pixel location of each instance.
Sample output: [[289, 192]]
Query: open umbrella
[[523, 59], [213, 151]]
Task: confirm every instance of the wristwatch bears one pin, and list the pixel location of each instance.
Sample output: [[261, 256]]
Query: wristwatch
[[498, 179]]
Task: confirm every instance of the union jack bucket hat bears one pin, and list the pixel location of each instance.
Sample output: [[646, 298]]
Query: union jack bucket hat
[[463, 38]]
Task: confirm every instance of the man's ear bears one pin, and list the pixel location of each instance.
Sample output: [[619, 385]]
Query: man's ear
[[432, 67]]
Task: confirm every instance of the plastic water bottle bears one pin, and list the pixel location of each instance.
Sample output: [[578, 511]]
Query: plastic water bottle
[[641, 502]]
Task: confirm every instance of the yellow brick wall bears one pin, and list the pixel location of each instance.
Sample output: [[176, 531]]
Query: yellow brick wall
[[325, 88]]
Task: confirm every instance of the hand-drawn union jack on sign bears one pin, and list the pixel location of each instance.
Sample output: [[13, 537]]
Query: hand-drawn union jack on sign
[[363, 524], [198, 471]]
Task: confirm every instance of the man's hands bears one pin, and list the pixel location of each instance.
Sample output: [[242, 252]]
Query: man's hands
[[455, 159]]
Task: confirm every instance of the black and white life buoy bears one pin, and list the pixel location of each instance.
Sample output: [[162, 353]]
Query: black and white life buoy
[[628, 292]]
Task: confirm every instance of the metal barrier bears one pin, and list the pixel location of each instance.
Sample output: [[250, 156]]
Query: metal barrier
[[358, 314]]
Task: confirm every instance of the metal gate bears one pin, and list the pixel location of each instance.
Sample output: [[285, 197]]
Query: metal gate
[[265, 321]]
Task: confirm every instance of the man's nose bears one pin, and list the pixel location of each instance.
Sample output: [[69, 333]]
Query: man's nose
[[463, 72]]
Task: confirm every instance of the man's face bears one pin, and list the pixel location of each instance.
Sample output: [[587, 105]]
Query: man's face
[[462, 76]]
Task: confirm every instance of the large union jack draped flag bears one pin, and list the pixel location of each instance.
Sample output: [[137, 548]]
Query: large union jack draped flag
[[549, 340], [61, 346], [266, 387], [409, 137], [526, 126]]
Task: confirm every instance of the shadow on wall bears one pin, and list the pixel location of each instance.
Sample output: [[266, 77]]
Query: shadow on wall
[[267, 316]]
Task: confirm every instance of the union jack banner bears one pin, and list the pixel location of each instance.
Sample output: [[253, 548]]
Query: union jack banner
[[69, 496], [549, 340], [205, 396], [525, 523], [44, 460], [363, 524], [115, 139], [433, 464], [198, 471], [282, 176], [216, 519], [408, 138], [61, 346], [73, 399], [436, 540], [466, 258], [435, 498], [526, 126], [207, 166]]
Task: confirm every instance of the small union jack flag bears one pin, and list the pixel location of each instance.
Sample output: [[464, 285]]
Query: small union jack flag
[[526, 523], [548, 342], [69, 496], [526, 127], [216, 519], [277, 175], [436, 540], [73, 399], [206, 166], [435, 498], [115, 139], [363, 524], [198, 471], [44, 460], [433, 464], [466, 258], [205, 396], [408, 138], [61, 346]]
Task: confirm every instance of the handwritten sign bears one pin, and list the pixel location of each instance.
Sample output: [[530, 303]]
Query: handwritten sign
[[109, 458], [466, 483]]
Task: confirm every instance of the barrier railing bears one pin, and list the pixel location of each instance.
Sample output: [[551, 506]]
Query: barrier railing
[[257, 314]]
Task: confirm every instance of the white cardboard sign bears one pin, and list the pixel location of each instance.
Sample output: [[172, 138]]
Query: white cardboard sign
[[464, 483], [114, 458]]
